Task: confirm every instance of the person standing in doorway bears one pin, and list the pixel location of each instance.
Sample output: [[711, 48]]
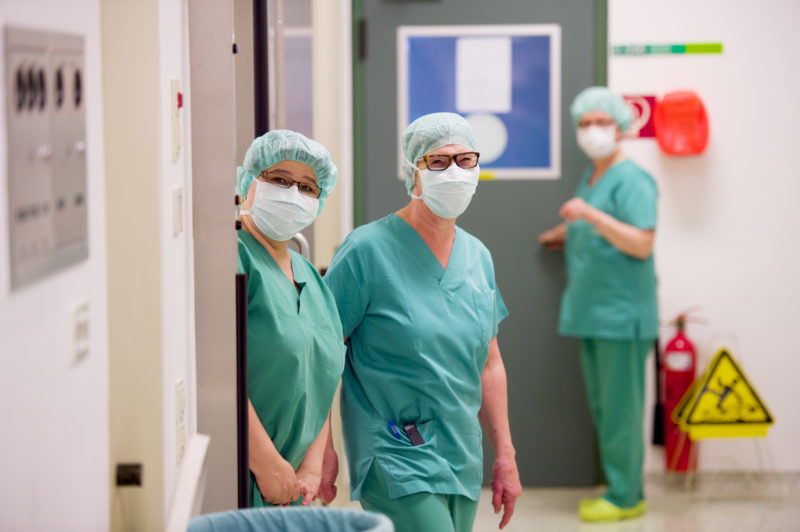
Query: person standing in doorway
[[295, 354], [610, 299]]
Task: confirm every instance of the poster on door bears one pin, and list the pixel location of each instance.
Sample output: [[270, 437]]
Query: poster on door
[[505, 80]]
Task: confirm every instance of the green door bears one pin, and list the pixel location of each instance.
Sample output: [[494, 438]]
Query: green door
[[550, 421]]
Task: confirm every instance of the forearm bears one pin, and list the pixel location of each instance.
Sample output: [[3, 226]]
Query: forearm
[[493, 414], [261, 450], [560, 231], [329, 441], [628, 239], [312, 461]]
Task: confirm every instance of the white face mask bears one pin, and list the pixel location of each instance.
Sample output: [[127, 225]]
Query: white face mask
[[448, 192], [597, 142], [281, 213]]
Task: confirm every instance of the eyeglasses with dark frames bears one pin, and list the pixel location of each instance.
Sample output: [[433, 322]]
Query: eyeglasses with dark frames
[[600, 122], [439, 162], [280, 180]]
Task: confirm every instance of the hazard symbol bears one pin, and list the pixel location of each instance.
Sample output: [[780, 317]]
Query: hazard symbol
[[722, 404]]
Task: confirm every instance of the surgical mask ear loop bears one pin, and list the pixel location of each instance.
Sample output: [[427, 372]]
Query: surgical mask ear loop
[[414, 166]]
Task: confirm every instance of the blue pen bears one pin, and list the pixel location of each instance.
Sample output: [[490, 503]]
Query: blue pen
[[395, 430]]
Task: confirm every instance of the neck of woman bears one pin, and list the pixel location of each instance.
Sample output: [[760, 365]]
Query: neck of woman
[[602, 165], [278, 250], [438, 233], [427, 224]]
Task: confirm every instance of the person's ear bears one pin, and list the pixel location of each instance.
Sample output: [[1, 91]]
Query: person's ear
[[417, 188], [250, 197]]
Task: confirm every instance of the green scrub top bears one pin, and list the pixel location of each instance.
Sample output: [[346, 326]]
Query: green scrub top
[[611, 295], [295, 353], [418, 339]]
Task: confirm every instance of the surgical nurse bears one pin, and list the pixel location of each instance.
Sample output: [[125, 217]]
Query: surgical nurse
[[610, 299], [294, 337], [420, 309]]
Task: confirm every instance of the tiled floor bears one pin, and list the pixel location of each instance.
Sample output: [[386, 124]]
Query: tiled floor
[[716, 503]]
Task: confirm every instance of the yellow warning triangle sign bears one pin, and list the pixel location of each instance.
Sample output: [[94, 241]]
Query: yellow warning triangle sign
[[722, 404]]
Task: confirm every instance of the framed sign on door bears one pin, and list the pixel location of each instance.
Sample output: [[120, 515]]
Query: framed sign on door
[[504, 79]]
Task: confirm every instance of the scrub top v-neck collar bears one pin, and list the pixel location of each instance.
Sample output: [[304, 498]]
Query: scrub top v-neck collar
[[424, 254], [590, 171], [297, 272]]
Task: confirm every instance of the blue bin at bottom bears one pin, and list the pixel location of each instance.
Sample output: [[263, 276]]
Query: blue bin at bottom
[[292, 519]]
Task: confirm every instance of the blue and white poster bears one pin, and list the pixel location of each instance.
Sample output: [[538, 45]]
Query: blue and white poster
[[504, 79]]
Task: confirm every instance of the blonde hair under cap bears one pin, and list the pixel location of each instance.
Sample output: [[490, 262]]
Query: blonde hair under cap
[[432, 131], [284, 145], [601, 99]]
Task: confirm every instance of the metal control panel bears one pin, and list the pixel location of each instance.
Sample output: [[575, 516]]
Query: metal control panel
[[46, 132]]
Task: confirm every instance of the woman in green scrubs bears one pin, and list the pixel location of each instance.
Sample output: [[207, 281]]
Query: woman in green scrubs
[[610, 298], [420, 310], [294, 336]]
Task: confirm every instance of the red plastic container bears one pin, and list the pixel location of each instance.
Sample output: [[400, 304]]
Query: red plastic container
[[681, 124]]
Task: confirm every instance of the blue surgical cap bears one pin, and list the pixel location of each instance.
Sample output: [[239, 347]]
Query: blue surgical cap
[[601, 99], [432, 131], [283, 145]]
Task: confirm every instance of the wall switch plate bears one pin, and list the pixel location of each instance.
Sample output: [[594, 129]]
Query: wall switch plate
[[175, 103], [180, 420], [80, 332], [177, 210]]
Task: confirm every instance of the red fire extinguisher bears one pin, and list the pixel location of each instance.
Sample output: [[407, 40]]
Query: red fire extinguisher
[[680, 361]]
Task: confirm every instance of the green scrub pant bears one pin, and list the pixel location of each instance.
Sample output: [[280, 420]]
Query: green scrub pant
[[613, 371], [419, 512]]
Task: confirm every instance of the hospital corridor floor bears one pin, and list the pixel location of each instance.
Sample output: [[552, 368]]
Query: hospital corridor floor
[[715, 502]]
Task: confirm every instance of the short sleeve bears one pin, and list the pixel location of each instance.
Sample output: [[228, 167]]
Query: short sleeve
[[347, 280], [501, 311], [635, 200]]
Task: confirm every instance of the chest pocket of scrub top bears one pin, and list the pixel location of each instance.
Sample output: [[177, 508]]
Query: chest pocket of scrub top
[[486, 310]]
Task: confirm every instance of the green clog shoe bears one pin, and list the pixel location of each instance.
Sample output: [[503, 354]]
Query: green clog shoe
[[601, 510]]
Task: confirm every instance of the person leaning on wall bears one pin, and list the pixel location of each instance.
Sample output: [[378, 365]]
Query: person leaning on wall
[[295, 354], [610, 299], [421, 309]]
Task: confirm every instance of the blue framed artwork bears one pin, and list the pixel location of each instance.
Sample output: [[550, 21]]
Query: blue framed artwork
[[504, 79]]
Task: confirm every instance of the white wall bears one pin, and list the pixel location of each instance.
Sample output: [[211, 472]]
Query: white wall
[[728, 219], [333, 128], [332, 119], [54, 416], [177, 279]]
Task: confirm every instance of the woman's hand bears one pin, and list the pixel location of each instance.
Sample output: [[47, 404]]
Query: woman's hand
[[555, 238], [506, 487], [330, 470], [308, 482], [278, 483], [574, 209]]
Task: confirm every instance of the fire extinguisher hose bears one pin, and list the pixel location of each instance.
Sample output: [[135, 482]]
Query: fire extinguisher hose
[[658, 411]]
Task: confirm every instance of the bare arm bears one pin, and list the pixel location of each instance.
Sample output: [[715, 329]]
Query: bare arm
[[493, 416], [310, 470], [637, 243], [555, 237], [330, 466], [274, 475], [330, 469]]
